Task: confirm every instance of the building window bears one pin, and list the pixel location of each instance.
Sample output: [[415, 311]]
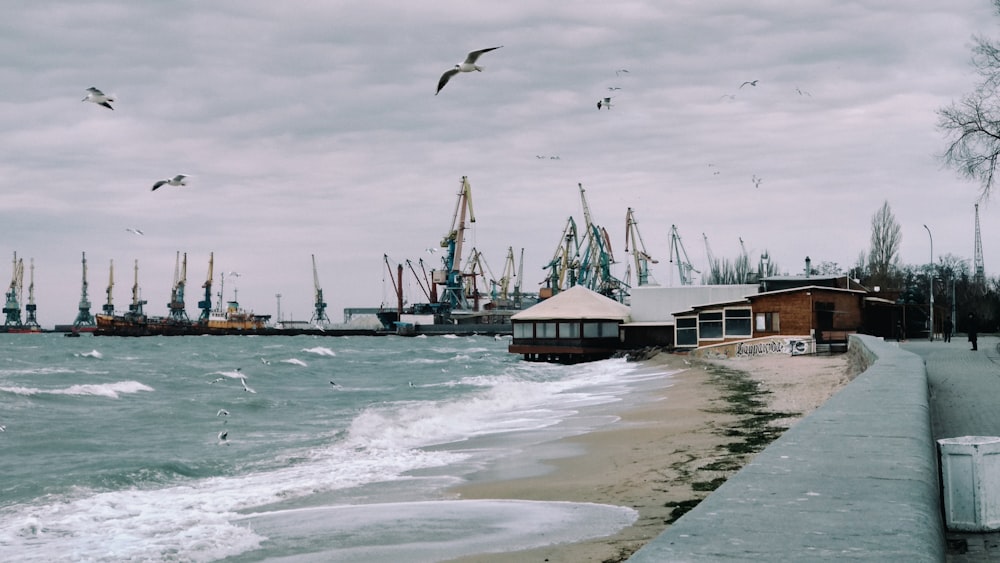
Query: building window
[[710, 325], [545, 330], [522, 330], [569, 330], [606, 329], [738, 322], [767, 322], [687, 331]]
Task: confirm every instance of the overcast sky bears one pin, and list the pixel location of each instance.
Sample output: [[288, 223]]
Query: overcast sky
[[313, 128]]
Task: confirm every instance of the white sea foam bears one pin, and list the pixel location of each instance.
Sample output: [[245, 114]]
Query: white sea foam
[[294, 362], [110, 390], [91, 354], [194, 522], [507, 403], [234, 374], [320, 351]]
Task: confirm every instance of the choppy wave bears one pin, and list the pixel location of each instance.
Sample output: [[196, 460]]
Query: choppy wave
[[91, 354], [109, 390], [320, 351]]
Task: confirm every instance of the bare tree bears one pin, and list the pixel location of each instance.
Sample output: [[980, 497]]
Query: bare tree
[[972, 126], [883, 259]]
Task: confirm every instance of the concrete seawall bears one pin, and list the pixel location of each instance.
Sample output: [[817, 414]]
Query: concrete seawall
[[856, 479]]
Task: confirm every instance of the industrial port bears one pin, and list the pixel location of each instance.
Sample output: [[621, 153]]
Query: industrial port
[[460, 296]]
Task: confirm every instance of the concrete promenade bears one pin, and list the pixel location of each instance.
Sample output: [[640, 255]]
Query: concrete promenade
[[965, 401], [855, 480]]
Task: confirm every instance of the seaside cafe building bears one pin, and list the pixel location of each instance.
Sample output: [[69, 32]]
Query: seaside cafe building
[[575, 325], [818, 315]]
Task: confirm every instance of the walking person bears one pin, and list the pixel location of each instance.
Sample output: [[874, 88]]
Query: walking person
[[947, 329], [973, 330]]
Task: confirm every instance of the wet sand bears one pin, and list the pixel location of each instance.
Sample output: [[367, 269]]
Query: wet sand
[[703, 424]]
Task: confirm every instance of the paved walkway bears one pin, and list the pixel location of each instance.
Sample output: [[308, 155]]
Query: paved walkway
[[965, 401]]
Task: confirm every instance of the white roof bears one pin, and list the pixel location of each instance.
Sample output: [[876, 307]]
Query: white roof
[[577, 302]]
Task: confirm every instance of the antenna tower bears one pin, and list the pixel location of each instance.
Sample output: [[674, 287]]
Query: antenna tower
[[980, 271]]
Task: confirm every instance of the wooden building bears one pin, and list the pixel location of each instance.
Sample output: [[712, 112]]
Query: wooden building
[[825, 314], [573, 326]]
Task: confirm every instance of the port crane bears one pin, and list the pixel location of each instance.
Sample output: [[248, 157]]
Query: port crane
[[12, 308], [640, 258], [565, 260], [83, 316], [714, 271], [678, 252], [595, 270], [135, 308], [206, 304], [176, 305], [501, 288], [109, 305], [29, 308], [452, 277], [319, 316]]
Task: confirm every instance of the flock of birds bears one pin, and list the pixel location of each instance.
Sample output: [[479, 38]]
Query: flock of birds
[[98, 97]]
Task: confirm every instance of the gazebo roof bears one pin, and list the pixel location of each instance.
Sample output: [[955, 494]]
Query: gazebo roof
[[577, 302]]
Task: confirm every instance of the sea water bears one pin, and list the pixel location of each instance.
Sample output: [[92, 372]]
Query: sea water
[[296, 448]]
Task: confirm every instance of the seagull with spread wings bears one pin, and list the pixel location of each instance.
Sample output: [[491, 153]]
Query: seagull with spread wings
[[98, 97], [178, 180], [468, 65]]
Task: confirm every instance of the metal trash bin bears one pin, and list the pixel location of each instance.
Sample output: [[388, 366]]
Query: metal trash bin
[[970, 477]]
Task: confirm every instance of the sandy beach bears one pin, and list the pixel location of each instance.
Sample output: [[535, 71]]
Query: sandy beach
[[704, 423]]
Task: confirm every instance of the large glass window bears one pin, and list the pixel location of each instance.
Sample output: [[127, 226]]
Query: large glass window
[[545, 330], [522, 330], [569, 330], [710, 325], [738, 322], [687, 331], [606, 329]]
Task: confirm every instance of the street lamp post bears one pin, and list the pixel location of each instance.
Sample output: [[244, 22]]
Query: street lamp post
[[930, 283]]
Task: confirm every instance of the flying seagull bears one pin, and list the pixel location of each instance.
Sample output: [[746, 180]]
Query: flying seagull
[[178, 180], [134, 231], [245, 388], [223, 435], [750, 82], [222, 412], [606, 103], [620, 71], [98, 97], [468, 65]]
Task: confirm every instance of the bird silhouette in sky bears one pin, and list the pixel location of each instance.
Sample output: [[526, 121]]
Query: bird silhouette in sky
[[468, 65], [98, 97], [178, 180], [750, 82]]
